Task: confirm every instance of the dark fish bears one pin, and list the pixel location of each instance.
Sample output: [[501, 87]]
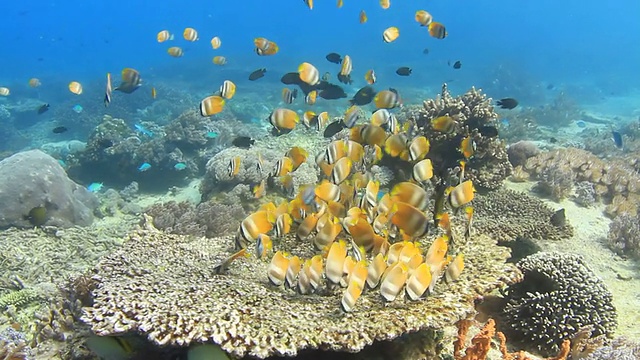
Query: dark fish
[[345, 79], [488, 131], [37, 216], [278, 132], [617, 139], [292, 78], [558, 219], [507, 103], [553, 140], [43, 109], [404, 71], [104, 143], [243, 142], [332, 92], [257, 74], [425, 51], [334, 58], [550, 87], [457, 65], [333, 128], [364, 96], [59, 129]]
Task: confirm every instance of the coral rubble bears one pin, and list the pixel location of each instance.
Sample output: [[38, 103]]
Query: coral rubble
[[557, 297], [164, 286]]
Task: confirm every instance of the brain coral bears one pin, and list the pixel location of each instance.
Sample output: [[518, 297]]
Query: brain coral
[[557, 297], [163, 286]]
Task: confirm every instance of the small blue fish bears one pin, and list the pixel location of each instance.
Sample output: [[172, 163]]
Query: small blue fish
[[62, 163], [77, 108], [581, 124], [617, 139], [143, 130], [95, 187], [180, 166], [212, 134], [504, 122], [144, 167]]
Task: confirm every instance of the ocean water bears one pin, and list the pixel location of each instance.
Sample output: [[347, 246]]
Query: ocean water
[[585, 53]]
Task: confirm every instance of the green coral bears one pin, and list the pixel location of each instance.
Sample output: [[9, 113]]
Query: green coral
[[18, 298]]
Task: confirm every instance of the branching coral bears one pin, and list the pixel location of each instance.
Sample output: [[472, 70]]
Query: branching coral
[[557, 297], [556, 181], [624, 235], [206, 219], [473, 113]]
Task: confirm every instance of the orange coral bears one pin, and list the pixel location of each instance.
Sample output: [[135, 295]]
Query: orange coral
[[481, 344]]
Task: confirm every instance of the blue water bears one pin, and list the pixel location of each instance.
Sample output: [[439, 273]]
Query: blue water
[[506, 47]]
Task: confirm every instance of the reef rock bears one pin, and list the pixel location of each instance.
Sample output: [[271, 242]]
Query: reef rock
[[34, 179], [164, 287]]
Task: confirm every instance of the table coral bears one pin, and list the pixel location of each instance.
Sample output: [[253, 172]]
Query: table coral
[[164, 286], [557, 297]]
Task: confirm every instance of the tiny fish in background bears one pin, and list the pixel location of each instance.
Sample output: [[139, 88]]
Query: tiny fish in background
[[334, 58], [143, 130], [363, 17], [95, 187], [77, 108], [4, 91], [75, 87], [34, 82], [180, 166], [257, 74], [507, 103], [43, 109], [243, 142], [163, 36], [617, 139], [59, 129], [581, 124], [425, 51], [154, 93], [457, 65], [404, 71], [144, 167], [211, 134]]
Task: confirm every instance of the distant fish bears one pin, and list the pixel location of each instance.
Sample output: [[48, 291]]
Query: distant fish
[[334, 58], [34, 82], [77, 108], [507, 103], [154, 93], [370, 77], [558, 219], [75, 87], [425, 51], [617, 139], [144, 167], [216, 42], [143, 130], [243, 142], [363, 17], [404, 71], [59, 129], [4, 91], [107, 92], [550, 87], [163, 36], [488, 131], [190, 34], [95, 187], [385, 4], [437, 30], [180, 166], [43, 109], [581, 124], [553, 140], [457, 65], [131, 81], [211, 134], [257, 74], [423, 18], [175, 51], [219, 60]]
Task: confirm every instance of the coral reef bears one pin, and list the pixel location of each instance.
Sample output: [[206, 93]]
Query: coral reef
[[209, 218], [585, 194], [18, 298], [164, 286], [473, 112], [555, 181], [33, 179], [618, 349], [557, 297], [13, 346], [614, 181], [507, 215], [624, 235], [522, 150]]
